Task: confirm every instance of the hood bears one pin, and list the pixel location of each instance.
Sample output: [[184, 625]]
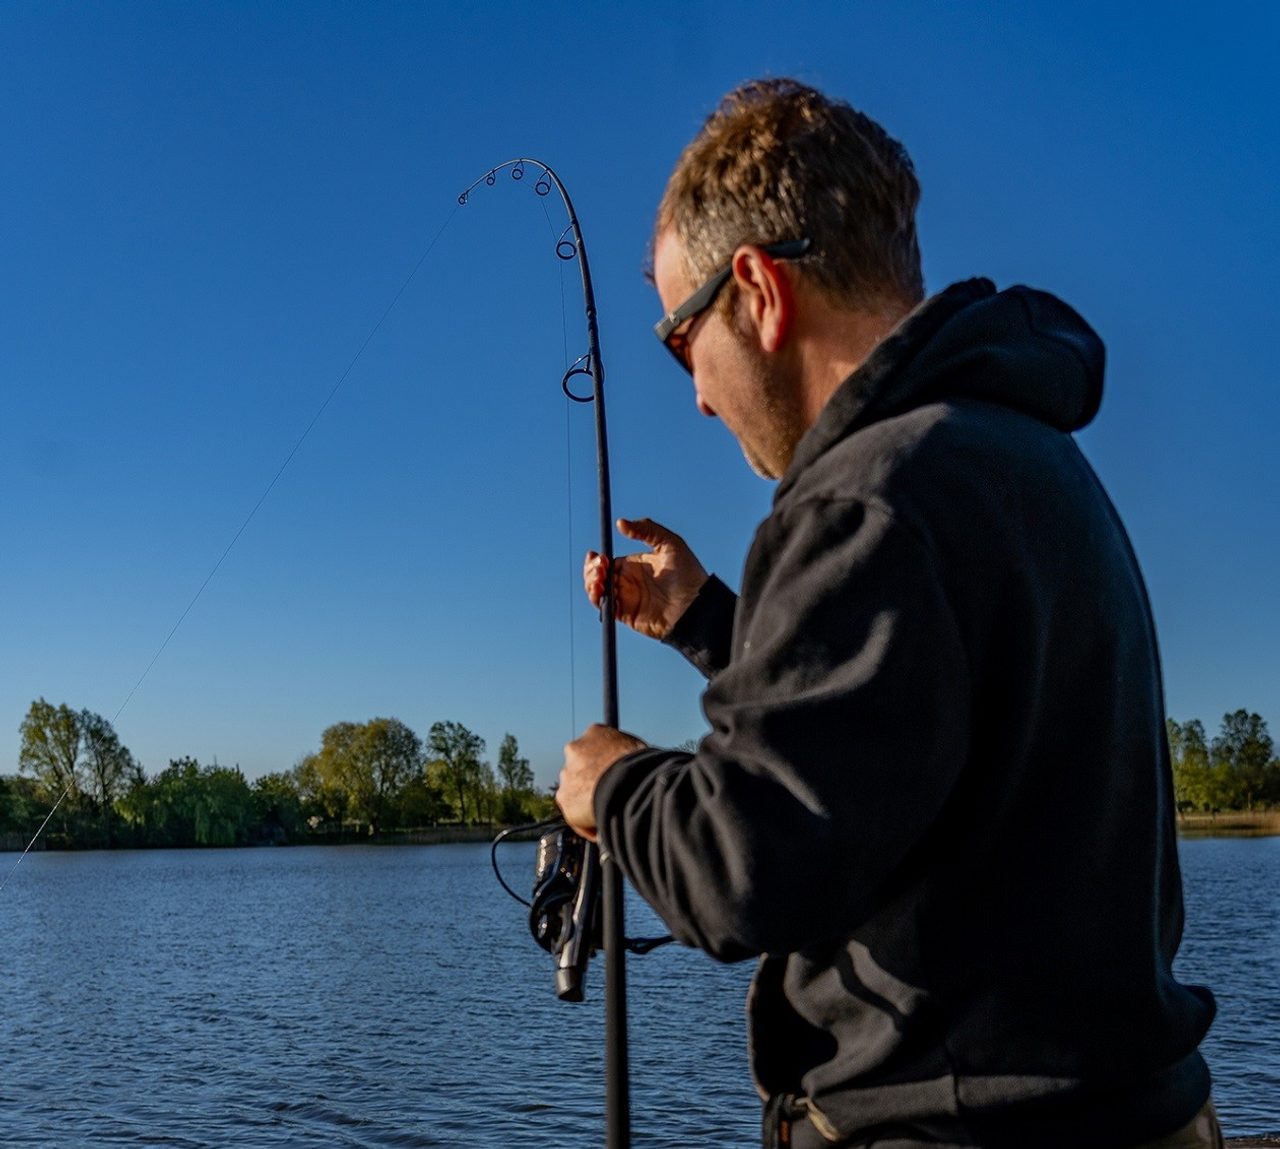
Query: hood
[[1021, 348]]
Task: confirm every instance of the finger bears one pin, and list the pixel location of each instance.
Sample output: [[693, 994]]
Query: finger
[[593, 577], [647, 531]]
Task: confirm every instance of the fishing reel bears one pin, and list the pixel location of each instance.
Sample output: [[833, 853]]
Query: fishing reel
[[564, 916]]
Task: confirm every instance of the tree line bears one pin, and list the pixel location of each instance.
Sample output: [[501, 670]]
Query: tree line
[[367, 779], [371, 778], [1237, 769]]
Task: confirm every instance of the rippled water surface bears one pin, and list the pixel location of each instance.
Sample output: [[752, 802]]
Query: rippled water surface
[[391, 997], [1232, 945], [355, 996]]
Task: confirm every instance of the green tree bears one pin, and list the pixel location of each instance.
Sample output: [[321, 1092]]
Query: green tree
[[50, 750], [321, 799], [516, 778], [223, 807], [362, 767], [485, 791], [1193, 782], [514, 771], [1243, 750], [187, 804], [134, 806], [107, 769], [170, 803], [161, 811], [423, 802], [334, 770], [1271, 789], [386, 755], [456, 751], [277, 807], [542, 805], [22, 805], [9, 810]]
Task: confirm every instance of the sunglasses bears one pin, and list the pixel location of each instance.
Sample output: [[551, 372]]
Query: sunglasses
[[668, 329]]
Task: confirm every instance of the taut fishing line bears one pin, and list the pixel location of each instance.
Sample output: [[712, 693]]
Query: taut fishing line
[[577, 905], [333, 391], [562, 248], [568, 486]]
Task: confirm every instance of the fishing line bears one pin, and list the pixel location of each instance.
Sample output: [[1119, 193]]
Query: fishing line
[[333, 391], [568, 486], [573, 573]]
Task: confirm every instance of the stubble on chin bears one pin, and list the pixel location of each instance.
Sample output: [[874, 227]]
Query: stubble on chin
[[781, 432], [758, 465], [769, 442]]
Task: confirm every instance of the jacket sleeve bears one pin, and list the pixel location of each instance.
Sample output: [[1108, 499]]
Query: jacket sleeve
[[704, 633], [838, 730]]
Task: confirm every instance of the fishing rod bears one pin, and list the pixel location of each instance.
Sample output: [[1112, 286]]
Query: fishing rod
[[565, 860], [578, 905]]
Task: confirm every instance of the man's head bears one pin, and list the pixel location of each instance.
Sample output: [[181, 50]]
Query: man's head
[[778, 163]]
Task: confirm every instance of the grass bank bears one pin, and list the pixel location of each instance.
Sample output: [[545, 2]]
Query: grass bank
[[1232, 824]]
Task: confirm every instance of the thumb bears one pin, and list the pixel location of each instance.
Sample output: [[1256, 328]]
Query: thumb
[[647, 531]]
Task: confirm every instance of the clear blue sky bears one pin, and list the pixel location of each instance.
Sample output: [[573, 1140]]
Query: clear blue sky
[[205, 208]]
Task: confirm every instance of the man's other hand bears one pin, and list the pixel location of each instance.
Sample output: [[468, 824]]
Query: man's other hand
[[651, 590], [586, 758]]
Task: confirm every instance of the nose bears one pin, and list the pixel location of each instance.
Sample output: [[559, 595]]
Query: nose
[[705, 407]]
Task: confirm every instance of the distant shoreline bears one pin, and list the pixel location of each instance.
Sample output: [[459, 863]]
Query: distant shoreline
[[1230, 824], [14, 841]]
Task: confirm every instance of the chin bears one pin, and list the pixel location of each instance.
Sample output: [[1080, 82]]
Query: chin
[[760, 467]]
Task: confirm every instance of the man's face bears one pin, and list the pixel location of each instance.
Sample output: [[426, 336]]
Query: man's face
[[733, 379]]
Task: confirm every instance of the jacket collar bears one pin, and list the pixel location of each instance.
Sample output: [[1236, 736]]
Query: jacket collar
[[855, 402]]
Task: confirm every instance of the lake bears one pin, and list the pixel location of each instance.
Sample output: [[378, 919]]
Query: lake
[[366, 996]]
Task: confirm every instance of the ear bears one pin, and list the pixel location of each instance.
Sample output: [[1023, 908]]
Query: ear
[[765, 291]]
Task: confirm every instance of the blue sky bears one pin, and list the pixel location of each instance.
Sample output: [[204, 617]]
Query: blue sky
[[206, 209]]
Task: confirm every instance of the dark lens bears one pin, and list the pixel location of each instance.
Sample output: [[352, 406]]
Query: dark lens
[[678, 345]]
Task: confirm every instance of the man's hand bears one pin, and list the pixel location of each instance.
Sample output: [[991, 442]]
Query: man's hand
[[585, 759], [651, 590]]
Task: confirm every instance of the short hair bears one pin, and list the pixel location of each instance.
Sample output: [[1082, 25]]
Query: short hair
[[778, 160]]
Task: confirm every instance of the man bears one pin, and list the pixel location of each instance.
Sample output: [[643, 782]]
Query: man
[[935, 797]]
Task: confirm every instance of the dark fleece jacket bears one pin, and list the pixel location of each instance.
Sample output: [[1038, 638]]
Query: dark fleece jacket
[[936, 792]]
